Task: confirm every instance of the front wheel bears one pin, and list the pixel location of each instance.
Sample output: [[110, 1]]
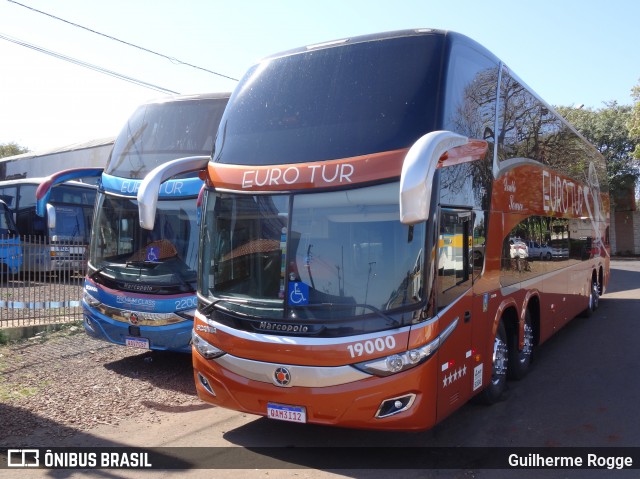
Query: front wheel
[[492, 393]]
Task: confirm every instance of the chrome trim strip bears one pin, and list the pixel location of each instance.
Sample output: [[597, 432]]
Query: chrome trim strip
[[437, 317], [496, 124], [296, 340], [528, 283], [123, 315], [301, 376]]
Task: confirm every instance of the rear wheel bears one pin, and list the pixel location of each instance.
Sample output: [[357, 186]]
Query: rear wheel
[[594, 299], [520, 359], [498, 384]]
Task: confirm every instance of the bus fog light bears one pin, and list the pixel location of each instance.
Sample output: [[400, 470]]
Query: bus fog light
[[205, 384], [392, 406], [89, 323]]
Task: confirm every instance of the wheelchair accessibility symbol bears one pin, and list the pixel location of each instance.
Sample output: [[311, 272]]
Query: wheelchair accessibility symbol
[[153, 252], [298, 293]]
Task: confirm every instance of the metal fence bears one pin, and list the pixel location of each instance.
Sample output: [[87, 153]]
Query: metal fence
[[47, 288]]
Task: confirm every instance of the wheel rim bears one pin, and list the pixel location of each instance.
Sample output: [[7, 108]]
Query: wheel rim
[[527, 348], [593, 297], [500, 360]]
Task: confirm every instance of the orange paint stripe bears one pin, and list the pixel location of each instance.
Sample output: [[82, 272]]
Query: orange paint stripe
[[472, 151], [319, 174], [331, 173]]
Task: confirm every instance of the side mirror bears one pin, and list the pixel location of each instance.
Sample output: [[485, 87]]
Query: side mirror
[[438, 149], [51, 216], [150, 187], [43, 192], [418, 170]]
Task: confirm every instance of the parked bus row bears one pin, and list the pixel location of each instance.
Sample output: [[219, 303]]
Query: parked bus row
[[48, 249], [140, 287], [359, 241], [355, 255]]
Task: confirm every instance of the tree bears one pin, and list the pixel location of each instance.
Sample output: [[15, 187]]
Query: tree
[[608, 129], [634, 122], [10, 149]]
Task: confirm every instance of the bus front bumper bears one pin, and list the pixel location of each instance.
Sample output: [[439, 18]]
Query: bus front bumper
[[353, 405], [174, 337]]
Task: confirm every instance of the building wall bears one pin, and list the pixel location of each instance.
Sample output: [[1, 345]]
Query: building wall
[[625, 232]]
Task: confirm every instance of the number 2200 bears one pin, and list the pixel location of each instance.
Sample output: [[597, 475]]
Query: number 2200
[[371, 346]]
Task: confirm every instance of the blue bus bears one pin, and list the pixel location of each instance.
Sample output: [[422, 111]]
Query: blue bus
[[10, 247], [140, 287]]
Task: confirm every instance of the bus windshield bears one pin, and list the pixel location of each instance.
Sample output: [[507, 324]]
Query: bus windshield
[[160, 132], [361, 103], [7, 226], [329, 255], [72, 224], [123, 253]]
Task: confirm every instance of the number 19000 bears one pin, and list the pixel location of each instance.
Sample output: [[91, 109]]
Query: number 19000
[[371, 346]]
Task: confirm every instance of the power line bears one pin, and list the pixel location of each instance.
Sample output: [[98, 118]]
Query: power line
[[86, 65], [171, 59]]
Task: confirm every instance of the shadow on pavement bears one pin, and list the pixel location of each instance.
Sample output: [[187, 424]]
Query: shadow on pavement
[[160, 369]]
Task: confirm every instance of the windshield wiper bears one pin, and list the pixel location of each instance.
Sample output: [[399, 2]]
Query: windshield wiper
[[97, 272], [215, 305], [141, 264], [389, 319]]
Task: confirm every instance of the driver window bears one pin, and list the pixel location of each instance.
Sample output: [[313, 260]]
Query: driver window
[[453, 255]]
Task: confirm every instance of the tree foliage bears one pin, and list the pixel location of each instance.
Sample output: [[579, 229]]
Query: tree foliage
[[634, 121], [10, 149], [608, 129]]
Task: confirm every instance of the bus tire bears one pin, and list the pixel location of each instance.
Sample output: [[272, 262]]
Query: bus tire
[[520, 360], [498, 383], [594, 299]]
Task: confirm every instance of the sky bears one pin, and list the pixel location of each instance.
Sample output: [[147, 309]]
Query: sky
[[571, 52]]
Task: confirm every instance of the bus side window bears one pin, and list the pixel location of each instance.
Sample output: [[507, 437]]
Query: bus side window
[[478, 241], [454, 255]]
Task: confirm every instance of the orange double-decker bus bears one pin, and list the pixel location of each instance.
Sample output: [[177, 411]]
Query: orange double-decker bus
[[365, 222]]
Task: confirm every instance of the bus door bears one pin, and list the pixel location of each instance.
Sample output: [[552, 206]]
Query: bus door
[[454, 301]]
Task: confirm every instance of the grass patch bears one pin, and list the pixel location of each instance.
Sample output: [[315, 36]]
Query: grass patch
[[13, 392]]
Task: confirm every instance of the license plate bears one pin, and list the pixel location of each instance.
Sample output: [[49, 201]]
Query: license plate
[[140, 343], [283, 412]]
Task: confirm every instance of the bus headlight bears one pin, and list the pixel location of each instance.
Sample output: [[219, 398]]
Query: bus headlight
[[189, 314], [409, 359], [90, 300], [206, 350]]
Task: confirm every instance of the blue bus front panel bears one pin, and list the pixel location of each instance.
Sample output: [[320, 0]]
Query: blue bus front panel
[[136, 320]]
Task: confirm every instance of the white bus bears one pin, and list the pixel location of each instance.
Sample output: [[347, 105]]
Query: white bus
[[58, 241]]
